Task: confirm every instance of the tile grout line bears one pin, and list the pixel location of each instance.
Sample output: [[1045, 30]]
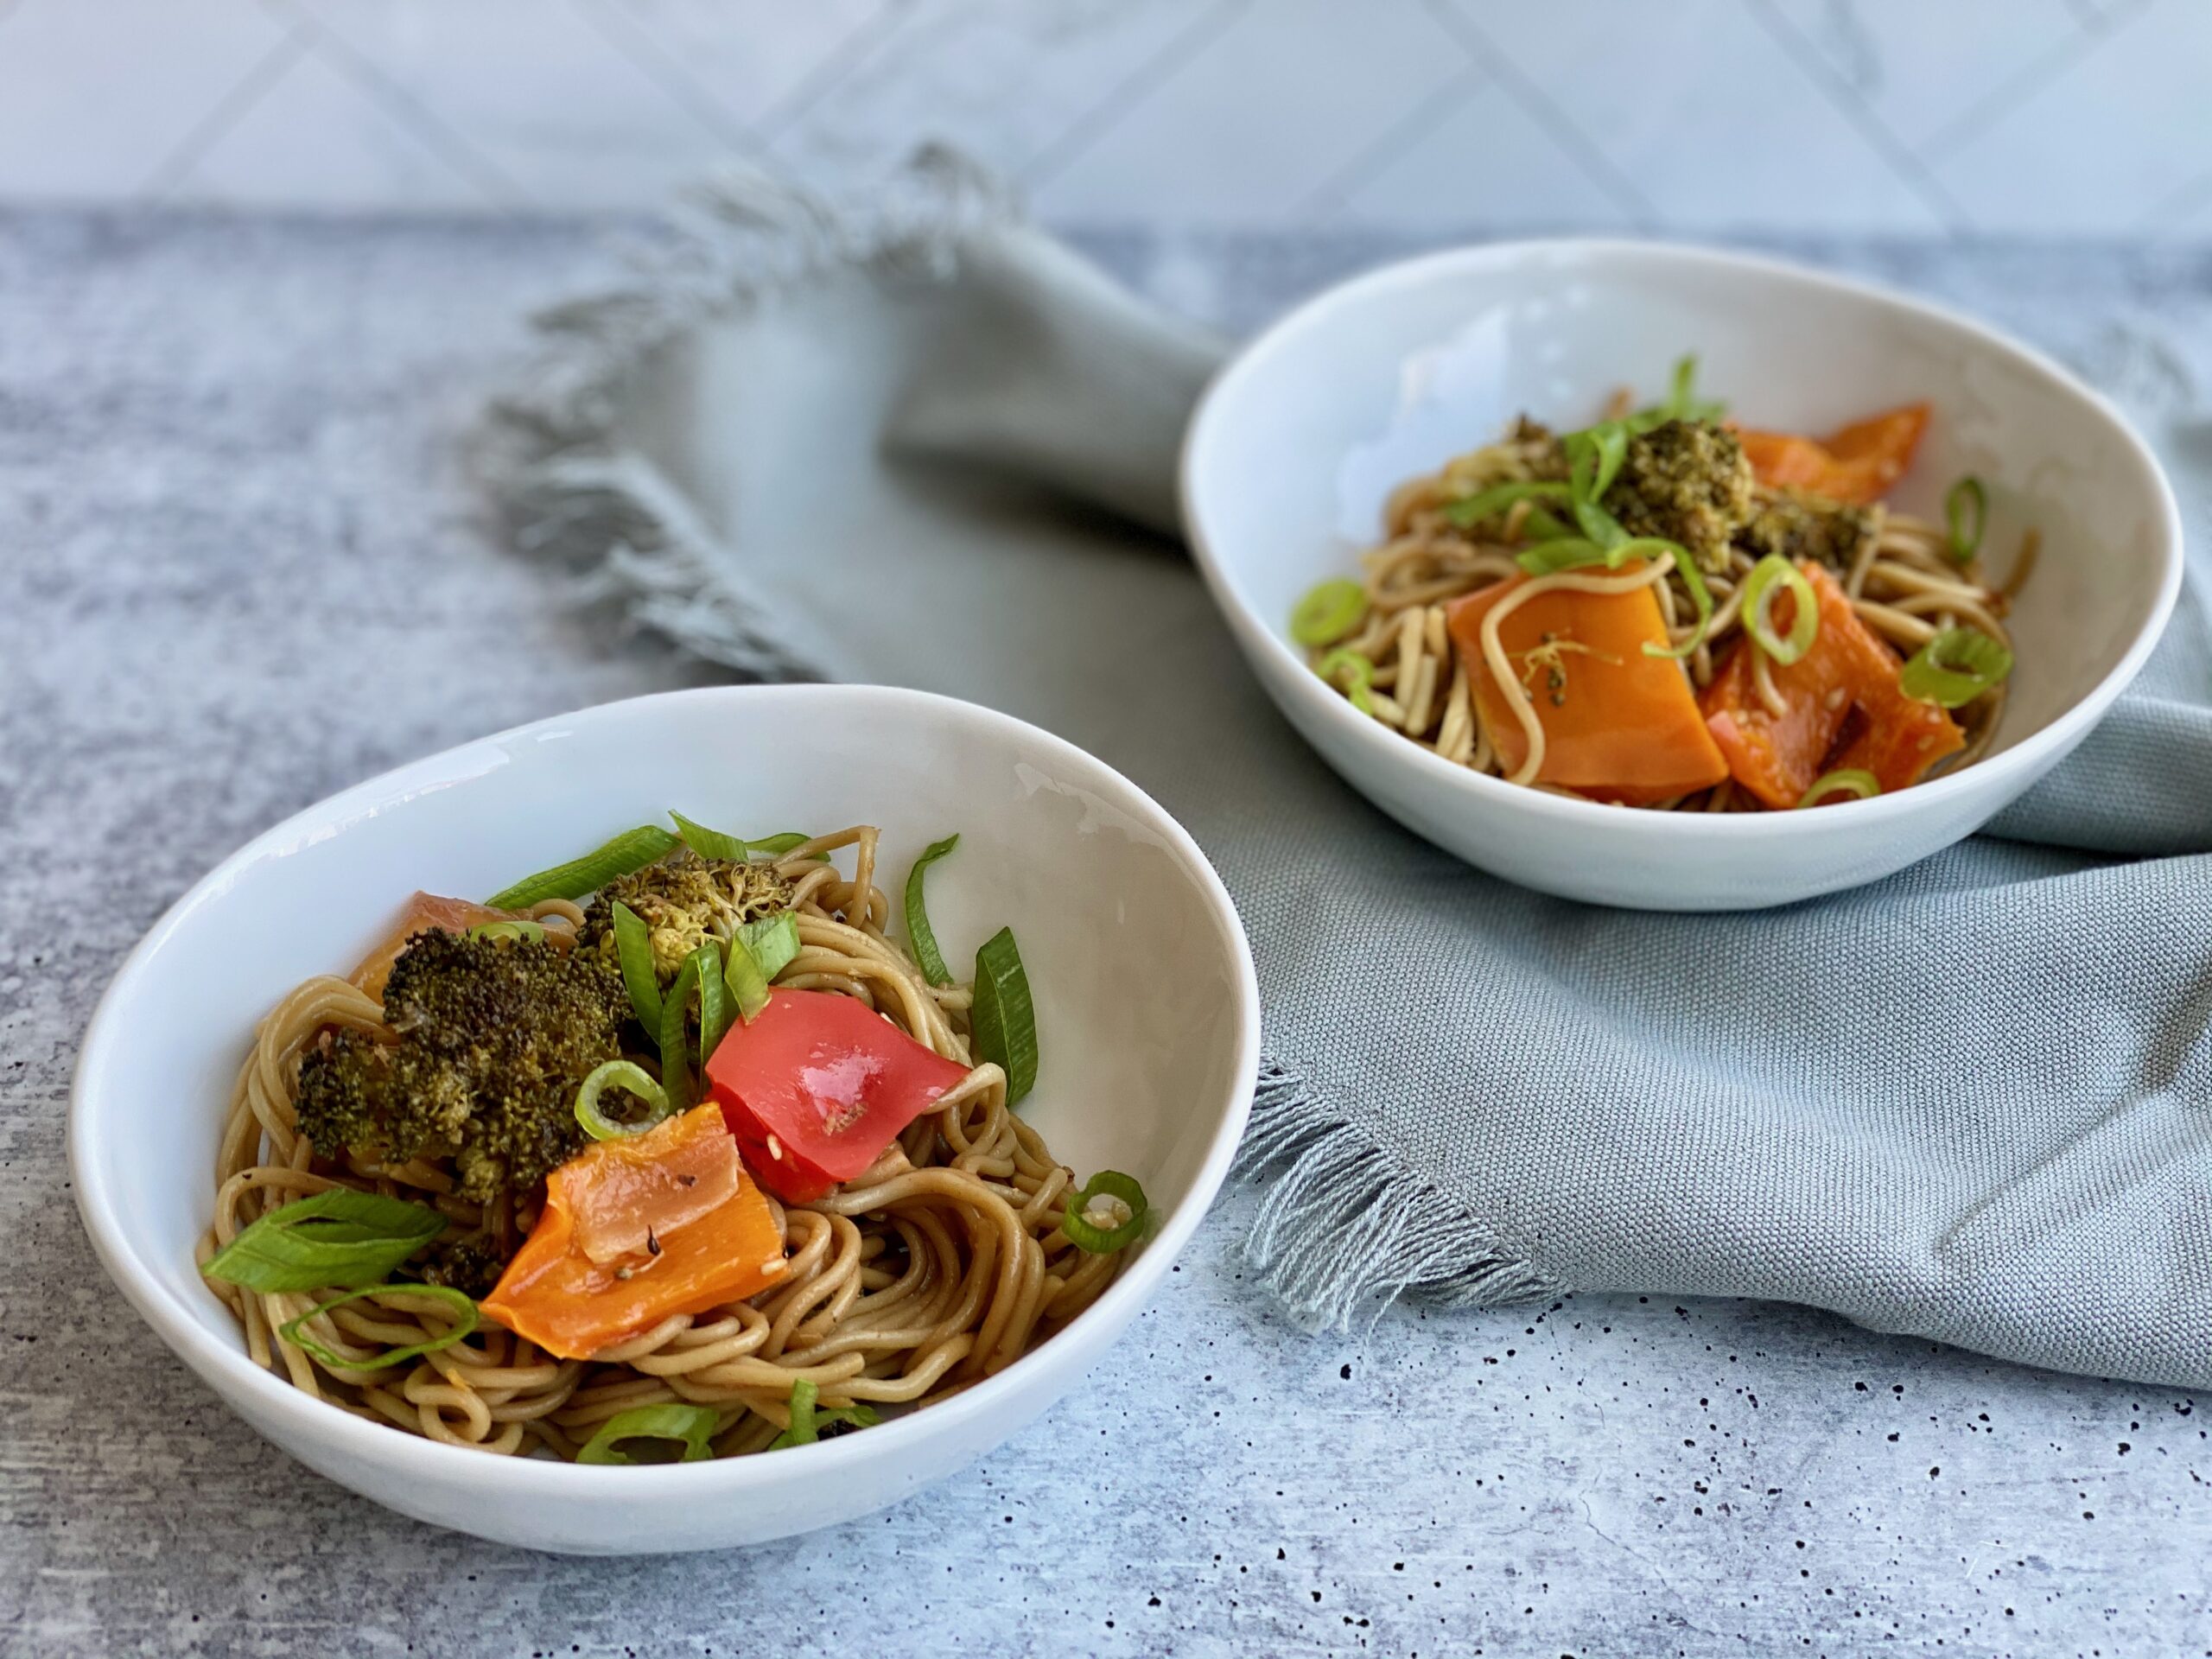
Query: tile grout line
[[1329, 196], [644, 52], [1845, 98], [404, 111], [2028, 81], [835, 66], [1131, 93], [169, 174], [1538, 106]]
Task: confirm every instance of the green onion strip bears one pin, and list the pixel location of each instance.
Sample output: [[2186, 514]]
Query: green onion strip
[[1003, 1020], [807, 1423], [630, 850], [633, 950], [463, 1310], [336, 1239], [711, 843], [919, 930], [691, 1428]]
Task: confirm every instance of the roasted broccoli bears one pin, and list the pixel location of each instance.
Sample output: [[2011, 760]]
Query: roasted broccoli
[[494, 1039], [683, 901], [1799, 526], [1686, 481]]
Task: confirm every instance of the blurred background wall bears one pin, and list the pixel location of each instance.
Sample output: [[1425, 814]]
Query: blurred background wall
[[1912, 117]]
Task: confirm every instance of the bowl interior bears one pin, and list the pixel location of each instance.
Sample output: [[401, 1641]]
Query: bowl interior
[[1303, 439], [1142, 987]]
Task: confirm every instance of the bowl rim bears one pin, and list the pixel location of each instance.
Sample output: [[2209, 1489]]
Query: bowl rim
[[291, 1412], [2016, 766]]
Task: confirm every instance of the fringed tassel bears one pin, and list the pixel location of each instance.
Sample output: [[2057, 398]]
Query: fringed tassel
[[1346, 1228]]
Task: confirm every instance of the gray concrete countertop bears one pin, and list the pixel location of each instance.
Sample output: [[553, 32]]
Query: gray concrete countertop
[[241, 567]]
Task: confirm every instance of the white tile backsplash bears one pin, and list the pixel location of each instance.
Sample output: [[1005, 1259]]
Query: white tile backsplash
[[1902, 116]]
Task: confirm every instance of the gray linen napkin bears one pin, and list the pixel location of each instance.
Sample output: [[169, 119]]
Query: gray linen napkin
[[913, 441]]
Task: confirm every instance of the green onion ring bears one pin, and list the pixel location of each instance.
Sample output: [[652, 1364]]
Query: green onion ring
[[457, 1301], [918, 932], [620, 1074], [1855, 781], [1086, 1235], [1957, 666], [1329, 611], [1771, 576], [691, 1427], [519, 932], [1966, 495], [1362, 681]]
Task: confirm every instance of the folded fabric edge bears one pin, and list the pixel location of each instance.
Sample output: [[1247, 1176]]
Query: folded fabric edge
[[1348, 1226], [548, 456]]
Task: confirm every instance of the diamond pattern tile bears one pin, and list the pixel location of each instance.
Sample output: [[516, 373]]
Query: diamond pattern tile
[[95, 98], [1259, 116]]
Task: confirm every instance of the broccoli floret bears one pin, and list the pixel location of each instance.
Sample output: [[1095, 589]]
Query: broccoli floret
[[494, 1037], [473, 1265], [1686, 481], [1800, 526], [683, 901]]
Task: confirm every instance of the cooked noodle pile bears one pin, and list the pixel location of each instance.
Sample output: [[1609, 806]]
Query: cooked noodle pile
[[1902, 584], [939, 1265]]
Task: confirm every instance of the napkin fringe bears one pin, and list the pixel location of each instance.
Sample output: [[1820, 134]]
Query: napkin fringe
[[548, 457], [1347, 1226]]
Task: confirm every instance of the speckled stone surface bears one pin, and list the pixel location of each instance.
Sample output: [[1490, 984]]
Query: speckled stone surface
[[240, 567]]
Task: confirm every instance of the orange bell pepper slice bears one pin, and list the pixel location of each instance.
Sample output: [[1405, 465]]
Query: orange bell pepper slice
[[1843, 708], [635, 1231], [1856, 465], [426, 912], [1618, 724]]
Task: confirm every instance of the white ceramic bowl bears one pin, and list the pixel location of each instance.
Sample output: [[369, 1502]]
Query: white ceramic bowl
[[1147, 1013], [1299, 439]]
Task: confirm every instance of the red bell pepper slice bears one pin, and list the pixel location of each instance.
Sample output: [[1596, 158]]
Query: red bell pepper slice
[[817, 1084]]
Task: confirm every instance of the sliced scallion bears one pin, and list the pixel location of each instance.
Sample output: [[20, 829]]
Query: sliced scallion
[[465, 1318], [1494, 502], [1593, 458], [772, 941], [781, 846], [1076, 1226], [807, 1423], [715, 1014], [1770, 578], [1358, 683], [518, 931], [1966, 510], [634, 950], [626, 1075], [918, 932], [630, 850], [1854, 781], [1329, 611], [1003, 1020], [336, 1239], [709, 843], [1957, 666], [691, 1428], [676, 1031], [747, 984]]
